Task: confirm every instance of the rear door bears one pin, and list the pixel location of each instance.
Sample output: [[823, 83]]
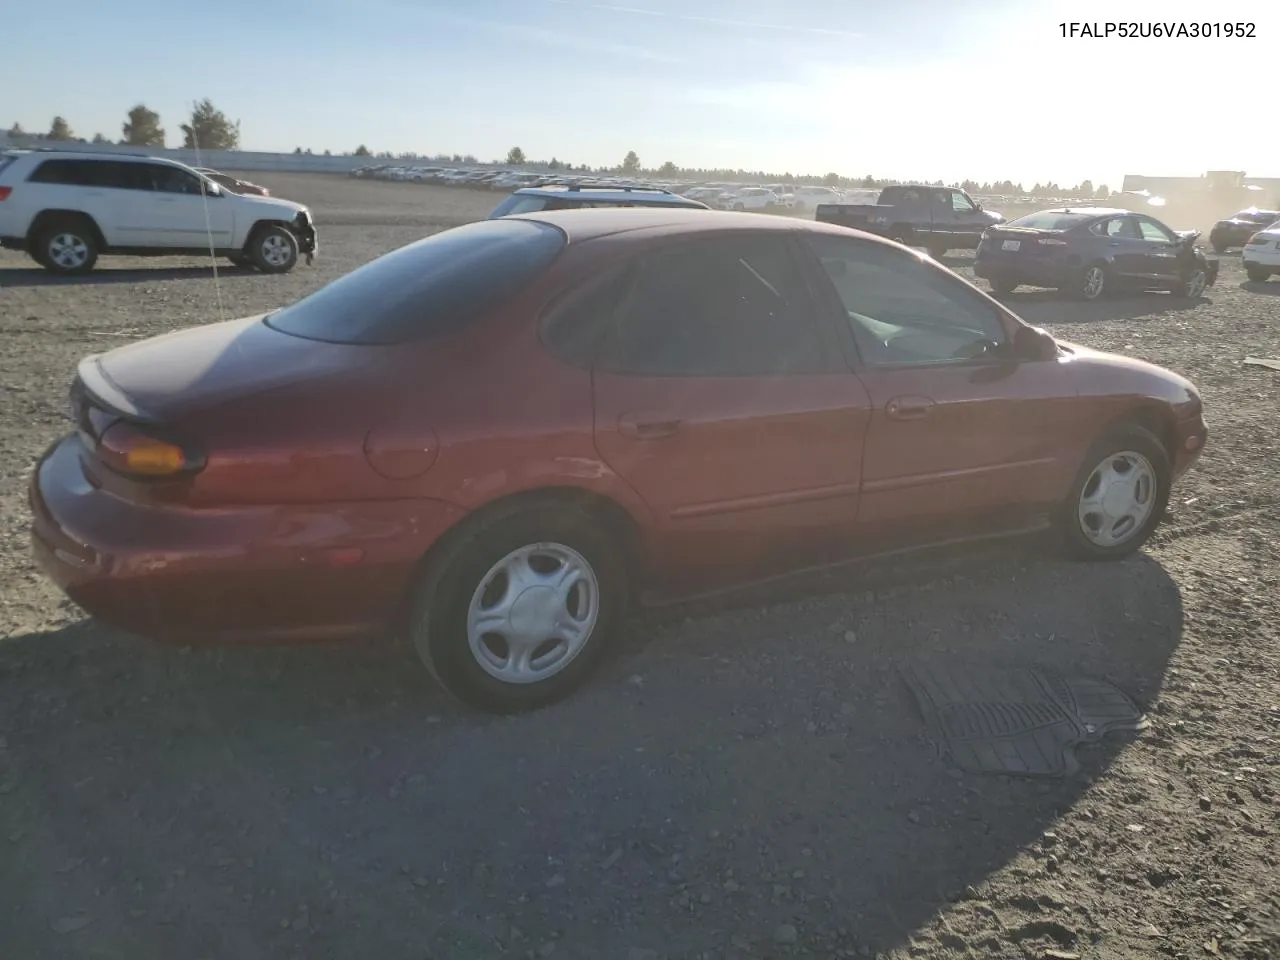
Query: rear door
[[962, 435], [721, 398], [88, 185]]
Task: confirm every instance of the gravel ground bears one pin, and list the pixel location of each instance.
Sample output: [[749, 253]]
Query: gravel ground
[[744, 782]]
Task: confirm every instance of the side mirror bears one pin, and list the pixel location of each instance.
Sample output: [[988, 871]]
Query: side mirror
[[1034, 344], [977, 205]]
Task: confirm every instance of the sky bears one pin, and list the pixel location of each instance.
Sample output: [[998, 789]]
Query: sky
[[905, 89]]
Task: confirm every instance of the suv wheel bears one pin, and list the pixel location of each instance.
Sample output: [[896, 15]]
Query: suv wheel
[[273, 249], [66, 246]]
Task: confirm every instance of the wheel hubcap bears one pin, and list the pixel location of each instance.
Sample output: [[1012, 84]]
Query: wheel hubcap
[[276, 251], [1117, 499], [1196, 286], [1094, 278], [533, 613], [68, 251]]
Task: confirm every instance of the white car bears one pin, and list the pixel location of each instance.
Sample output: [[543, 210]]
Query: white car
[[1261, 255], [808, 198], [749, 198], [66, 208]]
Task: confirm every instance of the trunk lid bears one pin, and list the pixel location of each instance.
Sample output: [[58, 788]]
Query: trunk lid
[[1004, 240], [168, 377]]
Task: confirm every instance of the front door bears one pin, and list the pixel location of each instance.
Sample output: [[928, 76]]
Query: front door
[[182, 215], [723, 400], [1160, 249], [961, 432], [1122, 246]]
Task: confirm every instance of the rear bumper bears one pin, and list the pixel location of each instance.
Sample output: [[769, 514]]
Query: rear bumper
[[1039, 272], [1261, 256], [311, 571]]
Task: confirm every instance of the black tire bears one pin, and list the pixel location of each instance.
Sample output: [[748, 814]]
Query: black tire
[[272, 249], [1092, 283], [1219, 247], [1003, 286], [937, 251], [444, 593], [1194, 284], [1129, 440], [66, 246], [739, 206], [1257, 274]]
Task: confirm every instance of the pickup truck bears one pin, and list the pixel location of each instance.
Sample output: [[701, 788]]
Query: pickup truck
[[936, 218]]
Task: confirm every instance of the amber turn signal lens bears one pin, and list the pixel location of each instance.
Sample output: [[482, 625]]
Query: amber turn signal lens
[[129, 450]]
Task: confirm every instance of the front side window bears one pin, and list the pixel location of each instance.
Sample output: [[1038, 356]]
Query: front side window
[[960, 203], [1154, 231], [903, 311], [717, 307]]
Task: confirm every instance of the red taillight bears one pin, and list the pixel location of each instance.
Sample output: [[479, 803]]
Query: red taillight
[[4, 192], [134, 452]]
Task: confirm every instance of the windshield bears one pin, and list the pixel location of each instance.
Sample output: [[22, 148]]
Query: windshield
[[429, 287], [1050, 220]]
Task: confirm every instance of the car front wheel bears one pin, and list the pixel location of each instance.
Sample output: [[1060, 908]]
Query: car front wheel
[[1193, 285], [1118, 496], [517, 611], [273, 249]]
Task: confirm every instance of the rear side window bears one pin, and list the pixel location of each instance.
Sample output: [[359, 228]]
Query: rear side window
[[430, 287], [112, 174], [6, 159]]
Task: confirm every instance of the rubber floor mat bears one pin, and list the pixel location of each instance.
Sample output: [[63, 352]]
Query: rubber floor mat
[[1019, 721]]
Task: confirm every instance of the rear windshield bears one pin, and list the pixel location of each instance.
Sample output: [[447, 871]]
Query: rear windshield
[[430, 287], [1051, 221], [519, 203], [1251, 216]]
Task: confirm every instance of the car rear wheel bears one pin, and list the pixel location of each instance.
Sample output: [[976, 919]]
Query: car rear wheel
[[66, 246], [1118, 496], [1193, 286], [517, 611], [1257, 274], [273, 249], [1093, 282], [1003, 285], [937, 251], [1219, 247]]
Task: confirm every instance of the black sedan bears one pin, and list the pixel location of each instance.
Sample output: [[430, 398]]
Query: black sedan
[[1092, 250], [1236, 231]]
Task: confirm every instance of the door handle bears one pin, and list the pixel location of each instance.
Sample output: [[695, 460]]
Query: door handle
[[647, 427], [1114, 243], [908, 408]]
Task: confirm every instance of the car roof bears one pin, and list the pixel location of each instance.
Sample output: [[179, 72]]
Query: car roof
[[583, 224], [1087, 211], [609, 195], [41, 154]]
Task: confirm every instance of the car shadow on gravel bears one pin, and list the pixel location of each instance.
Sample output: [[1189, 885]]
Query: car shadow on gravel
[[754, 779], [1268, 289], [42, 278]]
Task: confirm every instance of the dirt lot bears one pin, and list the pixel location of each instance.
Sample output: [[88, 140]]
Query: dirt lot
[[749, 782]]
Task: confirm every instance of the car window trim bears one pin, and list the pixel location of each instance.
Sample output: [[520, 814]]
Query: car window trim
[[607, 360], [837, 315]]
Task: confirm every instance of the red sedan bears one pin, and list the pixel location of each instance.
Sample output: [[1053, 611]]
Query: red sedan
[[496, 437]]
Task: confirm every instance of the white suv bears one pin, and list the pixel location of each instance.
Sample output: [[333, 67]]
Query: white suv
[[65, 208]]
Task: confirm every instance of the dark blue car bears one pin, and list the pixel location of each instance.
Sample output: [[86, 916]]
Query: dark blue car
[[552, 197], [1089, 251]]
